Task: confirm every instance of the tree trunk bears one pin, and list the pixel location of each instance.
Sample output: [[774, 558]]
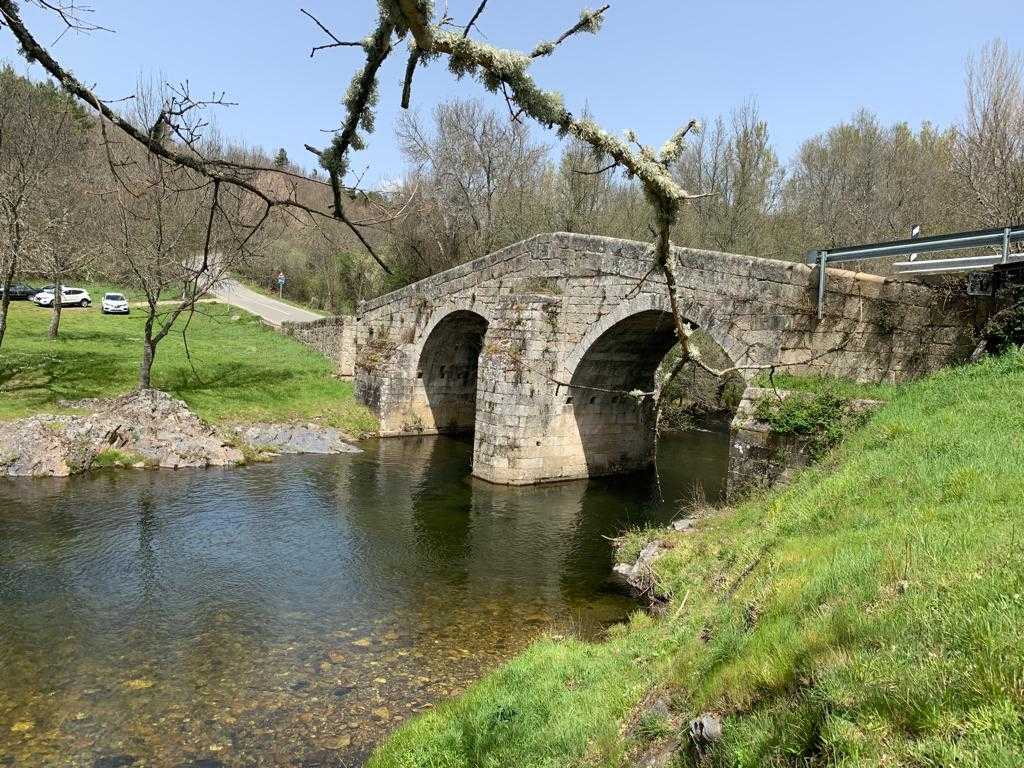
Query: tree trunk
[[146, 366], [55, 317], [5, 302]]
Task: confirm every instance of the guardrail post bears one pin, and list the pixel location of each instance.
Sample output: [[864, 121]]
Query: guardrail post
[[822, 261]]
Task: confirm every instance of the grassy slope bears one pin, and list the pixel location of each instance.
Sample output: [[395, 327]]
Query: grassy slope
[[869, 614], [245, 370]]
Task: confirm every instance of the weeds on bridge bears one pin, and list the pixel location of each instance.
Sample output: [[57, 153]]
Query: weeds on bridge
[[819, 418]]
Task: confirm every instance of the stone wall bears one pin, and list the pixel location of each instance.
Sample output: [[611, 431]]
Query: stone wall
[[760, 457], [561, 323], [332, 337]]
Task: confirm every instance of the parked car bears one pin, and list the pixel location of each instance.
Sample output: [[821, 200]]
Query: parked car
[[20, 291], [114, 304], [69, 297]]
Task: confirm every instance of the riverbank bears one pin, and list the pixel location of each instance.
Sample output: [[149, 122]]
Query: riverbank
[[240, 370], [147, 429], [868, 614]]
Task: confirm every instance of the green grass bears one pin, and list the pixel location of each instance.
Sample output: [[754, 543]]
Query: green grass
[[560, 698], [113, 457], [244, 370], [869, 614]]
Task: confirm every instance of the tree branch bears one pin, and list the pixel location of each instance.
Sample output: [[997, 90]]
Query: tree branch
[[590, 21], [215, 170], [337, 42], [472, 21]]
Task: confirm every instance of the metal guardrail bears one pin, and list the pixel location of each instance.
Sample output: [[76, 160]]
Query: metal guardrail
[[1001, 237]]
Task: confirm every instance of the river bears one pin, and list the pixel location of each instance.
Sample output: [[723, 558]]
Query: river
[[291, 613]]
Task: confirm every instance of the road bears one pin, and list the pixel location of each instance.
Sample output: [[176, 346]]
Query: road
[[271, 310]]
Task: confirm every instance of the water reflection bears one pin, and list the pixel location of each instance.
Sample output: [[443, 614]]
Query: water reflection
[[292, 611]]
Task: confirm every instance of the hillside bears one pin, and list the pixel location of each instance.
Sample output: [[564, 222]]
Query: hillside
[[869, 614]]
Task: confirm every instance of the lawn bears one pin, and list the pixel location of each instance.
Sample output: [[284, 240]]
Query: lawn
[[244, 371], [870, 614]]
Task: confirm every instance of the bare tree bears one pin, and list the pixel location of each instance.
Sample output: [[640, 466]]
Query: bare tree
[[989, 151], [41, 133], [62, 251], [178, 131], [736, 161], [474, 173], [173, 245], [174, 236]]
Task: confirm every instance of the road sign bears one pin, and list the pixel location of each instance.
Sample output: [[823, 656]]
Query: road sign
[[280, 284]]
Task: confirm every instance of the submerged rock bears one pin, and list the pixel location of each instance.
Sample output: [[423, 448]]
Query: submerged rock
[[148, 428], [115, 761], [295, 438]]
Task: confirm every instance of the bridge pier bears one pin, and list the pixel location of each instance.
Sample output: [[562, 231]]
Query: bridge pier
[[544, 418]]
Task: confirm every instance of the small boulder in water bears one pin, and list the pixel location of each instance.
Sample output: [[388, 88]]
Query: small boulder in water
[[295, 438]]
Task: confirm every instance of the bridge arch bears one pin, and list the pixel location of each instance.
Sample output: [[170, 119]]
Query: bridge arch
[[447, 364], [610, 431], [702, 317]]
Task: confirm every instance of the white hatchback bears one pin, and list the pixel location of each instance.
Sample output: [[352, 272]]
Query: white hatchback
[[69, 297], [114, 304]]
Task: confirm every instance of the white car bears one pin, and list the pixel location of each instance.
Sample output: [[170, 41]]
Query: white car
[[114, 304], [69, 297]]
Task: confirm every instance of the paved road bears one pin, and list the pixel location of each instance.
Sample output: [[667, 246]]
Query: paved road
[[273, 311]]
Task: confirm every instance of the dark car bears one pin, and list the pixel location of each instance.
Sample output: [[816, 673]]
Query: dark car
[[20, 291]]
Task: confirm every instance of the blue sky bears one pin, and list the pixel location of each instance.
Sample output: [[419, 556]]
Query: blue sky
[[656, 63]]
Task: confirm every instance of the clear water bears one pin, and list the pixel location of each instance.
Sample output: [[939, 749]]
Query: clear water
[[291, 613]]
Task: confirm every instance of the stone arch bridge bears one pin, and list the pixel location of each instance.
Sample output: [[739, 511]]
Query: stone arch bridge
[[531, 346]]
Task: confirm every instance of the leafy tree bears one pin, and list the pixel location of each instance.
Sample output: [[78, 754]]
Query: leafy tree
[[862, 181]]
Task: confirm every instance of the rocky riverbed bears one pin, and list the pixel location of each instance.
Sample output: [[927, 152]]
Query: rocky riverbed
[[148, 428]]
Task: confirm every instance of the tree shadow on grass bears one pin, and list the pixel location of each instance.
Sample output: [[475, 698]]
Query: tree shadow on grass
[[44, 380], [184, 380], [236, 385]]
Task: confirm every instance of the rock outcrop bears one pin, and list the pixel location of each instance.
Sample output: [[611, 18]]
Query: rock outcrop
[[147, 428], [638, 576], [294, 438]]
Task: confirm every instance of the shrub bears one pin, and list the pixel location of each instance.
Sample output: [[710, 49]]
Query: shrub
[[821, 418], [1005, 329]]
